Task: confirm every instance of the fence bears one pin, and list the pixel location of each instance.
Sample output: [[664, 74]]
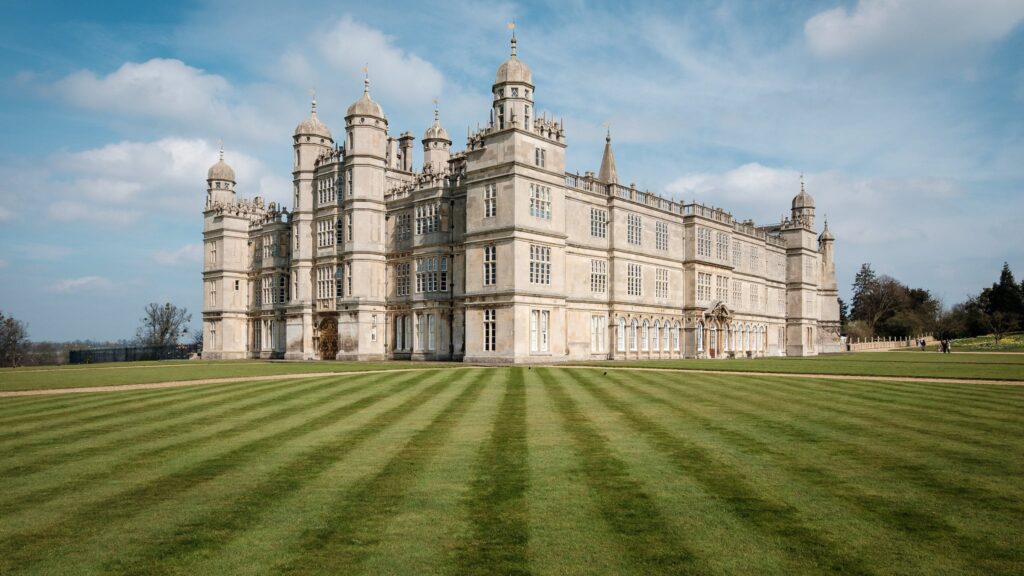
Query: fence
[[133, 354], [864, 344]]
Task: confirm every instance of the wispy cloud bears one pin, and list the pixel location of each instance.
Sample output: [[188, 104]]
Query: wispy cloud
[[81, 284], [186, 255]]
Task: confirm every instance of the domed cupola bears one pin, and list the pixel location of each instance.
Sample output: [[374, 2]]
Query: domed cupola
[[312, 126], [513, 93], [365, 106], [514, 69], [803, 207], [436, 145], [436, 131], [220, 171], [826, 234], [220, 182]]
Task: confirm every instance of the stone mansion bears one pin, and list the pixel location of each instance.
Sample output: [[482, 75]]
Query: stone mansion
[[496, 254]]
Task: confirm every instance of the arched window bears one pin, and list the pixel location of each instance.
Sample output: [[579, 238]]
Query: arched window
[[665, 337], [632, 335], [700, 336], [675, 336], [747, 341], [714, 337], [764, 338], [644, 336], [656, 337], [725, 337], [621, 336]]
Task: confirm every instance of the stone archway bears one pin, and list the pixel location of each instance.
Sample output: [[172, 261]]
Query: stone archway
[[328, 338]]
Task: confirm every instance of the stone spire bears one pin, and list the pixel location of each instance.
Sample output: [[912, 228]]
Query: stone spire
[[608, 174]]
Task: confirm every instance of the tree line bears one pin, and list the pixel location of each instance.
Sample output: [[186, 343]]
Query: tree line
[[161, 325], [885, 307]]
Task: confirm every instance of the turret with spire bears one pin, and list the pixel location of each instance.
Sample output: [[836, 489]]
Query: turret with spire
[[436, 145], [607, 173]]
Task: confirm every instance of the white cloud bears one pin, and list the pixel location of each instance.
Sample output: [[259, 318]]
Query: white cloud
[[81, 284], [920, 230], [126, 182], [187, 254], [896, 28], [166, 89], [159, 86]]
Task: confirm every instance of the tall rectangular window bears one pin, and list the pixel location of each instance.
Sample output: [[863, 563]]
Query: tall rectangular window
[[703, 287], [540, 264], [661, 283], [325, 232], [661, 236], [540, 201], [703, 242], [490, 329], [634, 280], [634, 229], [540, 157], [599, 276], [755, 259], [348, 278], [598, 330], [737, 254], [598, 223], [722, 289], [348, 225], [443, 287], [490, 201], [722, 247], [490, 265], [755, 300], [539, 328], [402, 278]]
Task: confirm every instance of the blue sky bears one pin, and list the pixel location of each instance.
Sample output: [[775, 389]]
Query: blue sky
[[907, 118]]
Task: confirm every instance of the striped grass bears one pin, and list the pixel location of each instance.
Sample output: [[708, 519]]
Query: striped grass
[[517, 471]]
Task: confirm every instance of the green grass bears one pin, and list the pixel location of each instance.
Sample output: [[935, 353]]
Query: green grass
[[115, 374], [985, 367], [518, 471]]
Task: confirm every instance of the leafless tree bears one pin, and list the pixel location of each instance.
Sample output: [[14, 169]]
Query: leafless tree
[[13, 341], [162, 325]]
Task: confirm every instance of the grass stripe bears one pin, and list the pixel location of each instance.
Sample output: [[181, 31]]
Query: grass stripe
[[776, 520], [221, 524], [825, 429], [77, 479], [140, 428], [20, 549], [496, 503], [630, 512], [887, 504], [101, 419], [354, 525]]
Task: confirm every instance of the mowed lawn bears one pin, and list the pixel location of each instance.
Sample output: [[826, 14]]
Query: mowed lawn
[[986, 366], [115, 374], [517, 471]]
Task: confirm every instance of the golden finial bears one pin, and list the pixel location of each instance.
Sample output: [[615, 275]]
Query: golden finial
[[437, 114], [312, 95], [801, 182], [366, 78], [512, 27]]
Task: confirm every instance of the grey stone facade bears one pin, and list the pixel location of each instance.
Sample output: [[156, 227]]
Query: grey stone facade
[[496, 254]]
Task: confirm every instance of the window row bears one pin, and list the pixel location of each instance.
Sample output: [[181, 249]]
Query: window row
[[428, 218], [646, 337], [732, 337]]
